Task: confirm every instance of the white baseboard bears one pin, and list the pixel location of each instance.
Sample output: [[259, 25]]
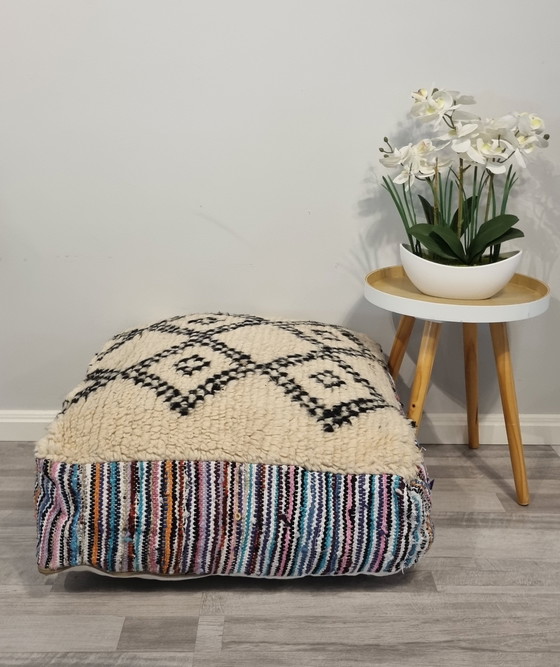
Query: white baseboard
[[451, 429], [24, 424], [436, 428]]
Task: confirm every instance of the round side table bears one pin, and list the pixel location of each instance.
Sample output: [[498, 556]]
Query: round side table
[[522, 298]]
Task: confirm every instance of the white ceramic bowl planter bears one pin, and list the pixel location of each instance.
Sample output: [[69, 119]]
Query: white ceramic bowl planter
[[459, 282]]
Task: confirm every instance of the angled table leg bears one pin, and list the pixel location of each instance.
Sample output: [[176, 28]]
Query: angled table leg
[[426, 357], [400, 343], [511, 414], [470, 347]]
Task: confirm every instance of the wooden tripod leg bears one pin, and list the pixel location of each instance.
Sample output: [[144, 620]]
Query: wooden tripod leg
[[426, 357], [400, 343], [470, 347], [511, 414]]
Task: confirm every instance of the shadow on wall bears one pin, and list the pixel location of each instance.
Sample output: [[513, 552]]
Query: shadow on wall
[[383, 230], [536, 200]]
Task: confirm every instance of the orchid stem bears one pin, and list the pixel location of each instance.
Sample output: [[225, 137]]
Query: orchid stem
[[490, 196], [436, 196], [460, 195]]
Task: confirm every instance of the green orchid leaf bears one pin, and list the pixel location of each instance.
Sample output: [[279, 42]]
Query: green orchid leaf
[[468, 206], [506, 220], [428, 209], [488, 235], [449, 239], [422, 233], [437, 252], [440, 240], [509, 235]]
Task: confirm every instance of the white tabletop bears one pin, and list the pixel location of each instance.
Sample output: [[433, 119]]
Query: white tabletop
[[523, 297]]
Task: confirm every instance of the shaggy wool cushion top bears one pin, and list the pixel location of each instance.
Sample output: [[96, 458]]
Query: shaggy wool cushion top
[[221, 444]]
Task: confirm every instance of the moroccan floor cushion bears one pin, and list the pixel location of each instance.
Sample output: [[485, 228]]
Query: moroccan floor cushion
[[219, 444]]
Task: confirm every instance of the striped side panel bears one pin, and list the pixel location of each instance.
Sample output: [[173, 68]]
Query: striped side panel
[[58, 503], [215, 517]]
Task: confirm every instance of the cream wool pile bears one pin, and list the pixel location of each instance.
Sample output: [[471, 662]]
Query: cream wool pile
[[220, 444]]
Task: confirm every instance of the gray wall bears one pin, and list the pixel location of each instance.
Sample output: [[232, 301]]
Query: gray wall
[[169, 157]]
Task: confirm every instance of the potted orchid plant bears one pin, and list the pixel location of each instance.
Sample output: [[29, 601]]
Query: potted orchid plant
[[465, 170]]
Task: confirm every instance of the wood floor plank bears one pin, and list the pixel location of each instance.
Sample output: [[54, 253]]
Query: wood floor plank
[[209, 634], [25, 600], [434, 563], [312, 633], [547, 521], [301, 599], [431, 656], [456, 500], [496, 542], [15, 501], [544, 503], [63, 633], [532, 583], [480, 600], [19, 565], [158, 633], [18, 518], [491, 462], [107, 659], [488, 485], [458, 453], [126, 596]]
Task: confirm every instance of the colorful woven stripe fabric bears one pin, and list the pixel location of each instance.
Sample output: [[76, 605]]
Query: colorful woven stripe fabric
[[209, 517]]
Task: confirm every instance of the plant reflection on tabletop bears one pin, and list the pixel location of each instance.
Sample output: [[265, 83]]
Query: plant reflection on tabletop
[[467, 169]]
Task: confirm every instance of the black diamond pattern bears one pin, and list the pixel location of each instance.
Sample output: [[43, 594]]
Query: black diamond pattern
[[329, 343], [328, 379], [190, 365]]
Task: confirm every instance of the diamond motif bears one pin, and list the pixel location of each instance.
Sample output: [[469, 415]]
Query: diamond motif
[[310, 362]]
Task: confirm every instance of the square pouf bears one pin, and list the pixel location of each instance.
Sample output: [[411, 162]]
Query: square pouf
[[233, 445]]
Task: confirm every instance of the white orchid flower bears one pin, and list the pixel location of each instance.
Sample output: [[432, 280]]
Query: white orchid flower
[[418, 154], [404, 178], [459, 99], [431, 105], [495, 151], [529, 124], [423, 147], [460, 136], [462, 140], [465, 116], [420, 161], [526, 145], [496, 167], [506, 123], [421, 94], [397, 157], [428, 166], [493, 148], [471, 152]]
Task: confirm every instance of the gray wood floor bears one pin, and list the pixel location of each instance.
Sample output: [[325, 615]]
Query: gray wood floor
[[488, 593]]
